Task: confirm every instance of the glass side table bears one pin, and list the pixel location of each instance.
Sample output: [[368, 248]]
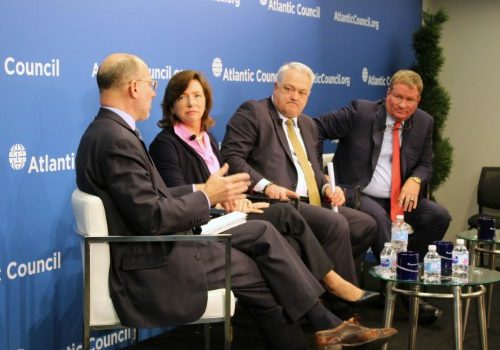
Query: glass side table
[[477, 246], [475, 288]]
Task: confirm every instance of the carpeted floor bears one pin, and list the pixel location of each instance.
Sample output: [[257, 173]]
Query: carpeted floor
[[246, 336]]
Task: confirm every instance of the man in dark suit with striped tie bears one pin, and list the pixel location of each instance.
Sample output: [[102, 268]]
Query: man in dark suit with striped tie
[[273, 141]]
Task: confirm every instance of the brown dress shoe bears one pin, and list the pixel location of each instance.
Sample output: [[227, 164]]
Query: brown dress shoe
[[351, 334]]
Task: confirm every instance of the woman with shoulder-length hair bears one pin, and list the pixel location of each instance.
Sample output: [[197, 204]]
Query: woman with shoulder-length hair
[[186, 153]]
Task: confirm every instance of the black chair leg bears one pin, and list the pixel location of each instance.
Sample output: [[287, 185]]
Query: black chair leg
[[206, 328]]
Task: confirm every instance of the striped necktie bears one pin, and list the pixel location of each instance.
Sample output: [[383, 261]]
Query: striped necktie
[[312, 186], [138, 134]]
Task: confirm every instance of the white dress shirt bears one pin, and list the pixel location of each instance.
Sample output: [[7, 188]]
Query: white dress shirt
[[380, 184], [301, 188]]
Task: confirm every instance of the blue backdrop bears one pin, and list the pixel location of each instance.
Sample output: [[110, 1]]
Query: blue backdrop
[[49, 52]]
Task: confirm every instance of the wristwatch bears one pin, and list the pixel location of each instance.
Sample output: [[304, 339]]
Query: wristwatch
[[266, 186], [416, 179]]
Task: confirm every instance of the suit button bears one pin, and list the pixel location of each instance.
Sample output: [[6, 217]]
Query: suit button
[[197, 257]]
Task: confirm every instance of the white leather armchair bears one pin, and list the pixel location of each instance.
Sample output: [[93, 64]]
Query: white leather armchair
[[98, 309]]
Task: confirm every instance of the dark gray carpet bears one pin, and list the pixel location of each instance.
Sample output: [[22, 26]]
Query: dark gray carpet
[[246, 335]]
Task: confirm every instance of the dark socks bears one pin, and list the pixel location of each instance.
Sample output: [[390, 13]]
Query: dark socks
[[320, 318]]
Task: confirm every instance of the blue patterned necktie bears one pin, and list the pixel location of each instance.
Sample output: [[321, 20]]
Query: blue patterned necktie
[[138, 134]]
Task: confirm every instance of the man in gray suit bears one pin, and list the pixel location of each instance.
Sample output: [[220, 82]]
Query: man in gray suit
[[154, 285], [259, 141]]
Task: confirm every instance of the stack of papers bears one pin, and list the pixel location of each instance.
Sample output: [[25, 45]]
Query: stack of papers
[[223, 223]]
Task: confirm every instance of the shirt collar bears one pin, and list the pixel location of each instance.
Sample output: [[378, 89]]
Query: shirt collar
[[183, 132], [124, 115], [389, 120]]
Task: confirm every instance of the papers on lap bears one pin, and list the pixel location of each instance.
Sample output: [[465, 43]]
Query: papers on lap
[[223, 223]]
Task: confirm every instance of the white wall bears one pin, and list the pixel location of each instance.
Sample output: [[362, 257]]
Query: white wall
[[471, 74]]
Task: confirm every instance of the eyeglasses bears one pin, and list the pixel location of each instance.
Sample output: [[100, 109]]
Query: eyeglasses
[[152, 83]]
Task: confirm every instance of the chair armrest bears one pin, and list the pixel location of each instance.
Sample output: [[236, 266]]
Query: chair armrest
[[161, 238], [223, 237], [263, 198]]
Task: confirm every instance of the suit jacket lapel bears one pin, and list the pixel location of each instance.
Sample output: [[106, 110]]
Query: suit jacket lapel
[[307, 138], [378, 129], [407, 136], [106, 113], [277, 123], [155, 176]]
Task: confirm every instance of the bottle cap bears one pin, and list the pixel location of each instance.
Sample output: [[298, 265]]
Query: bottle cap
[[432, 247], [460, 241], [400, 217]]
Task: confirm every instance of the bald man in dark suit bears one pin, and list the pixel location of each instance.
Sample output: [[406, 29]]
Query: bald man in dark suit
[[155, 285]]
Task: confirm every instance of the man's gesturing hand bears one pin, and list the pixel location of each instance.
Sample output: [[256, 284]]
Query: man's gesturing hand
[[220, 188]]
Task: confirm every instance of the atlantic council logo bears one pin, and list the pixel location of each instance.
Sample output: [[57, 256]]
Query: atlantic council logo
[[364, 74], [164, 72], [374, 80], [291, 8], [240, 74], [354, 19], [17, 156], [105, 341], [44, 163], [217, 67], [13, 66]]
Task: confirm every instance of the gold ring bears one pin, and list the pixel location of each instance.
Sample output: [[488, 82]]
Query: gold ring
[[412, 199]]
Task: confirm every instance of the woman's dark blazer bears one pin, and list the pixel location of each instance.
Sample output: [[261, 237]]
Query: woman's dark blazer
[[177, 162]]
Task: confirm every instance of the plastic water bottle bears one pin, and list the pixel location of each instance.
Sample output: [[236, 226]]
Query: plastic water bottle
[[399, 234], [432, 266], [408, 227], [387, 261], [460, 263]]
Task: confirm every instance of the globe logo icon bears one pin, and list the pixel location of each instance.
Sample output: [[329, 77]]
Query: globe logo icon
[[263, 2], [364, 74], [217, 67], [17, 156]]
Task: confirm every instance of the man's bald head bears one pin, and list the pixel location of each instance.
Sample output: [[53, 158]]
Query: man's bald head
[[125, 83], [117, 69]]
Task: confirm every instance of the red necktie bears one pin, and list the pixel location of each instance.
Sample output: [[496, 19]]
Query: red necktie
[[396, 209]]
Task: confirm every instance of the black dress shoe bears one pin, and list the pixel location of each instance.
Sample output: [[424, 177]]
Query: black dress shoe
[[344, 309], [427, 313]]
